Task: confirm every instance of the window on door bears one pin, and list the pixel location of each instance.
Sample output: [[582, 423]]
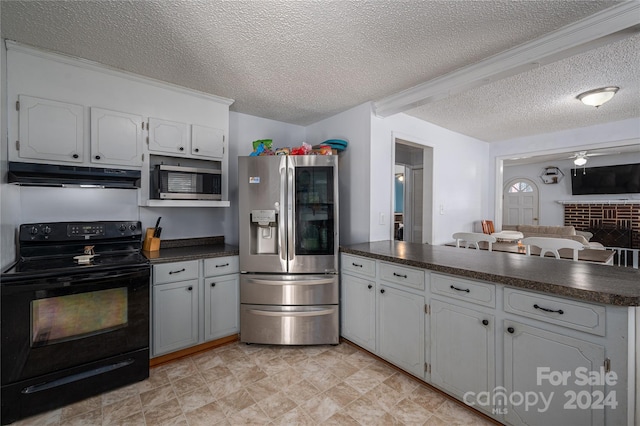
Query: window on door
[[520, 202]]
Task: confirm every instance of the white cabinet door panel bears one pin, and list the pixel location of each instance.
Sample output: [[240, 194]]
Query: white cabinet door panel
[[116, 137], [462, 349], [50, 130], [207, 141], [168, 136], [526, 349], [221, 306], [359, 311], [401, 329], [175, 316]]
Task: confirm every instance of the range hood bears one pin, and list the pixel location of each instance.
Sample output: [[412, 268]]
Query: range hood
[[33, 174]]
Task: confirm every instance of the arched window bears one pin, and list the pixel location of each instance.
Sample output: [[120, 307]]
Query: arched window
[[520, 187]]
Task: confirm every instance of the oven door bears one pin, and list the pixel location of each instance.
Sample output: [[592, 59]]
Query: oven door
[[57, 323]]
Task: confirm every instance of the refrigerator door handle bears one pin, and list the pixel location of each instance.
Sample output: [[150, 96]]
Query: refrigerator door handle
[[314, 313], [319, 281], [282, 222], [291, 214]]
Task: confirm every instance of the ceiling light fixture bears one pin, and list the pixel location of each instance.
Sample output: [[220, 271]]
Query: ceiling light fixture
[[580, 160], [597, 97]]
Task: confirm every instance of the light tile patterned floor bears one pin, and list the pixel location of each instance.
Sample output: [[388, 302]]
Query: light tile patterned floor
[[242, 384]]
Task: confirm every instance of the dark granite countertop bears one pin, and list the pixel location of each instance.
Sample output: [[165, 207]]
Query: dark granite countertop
[[191, 249], [611, 285]]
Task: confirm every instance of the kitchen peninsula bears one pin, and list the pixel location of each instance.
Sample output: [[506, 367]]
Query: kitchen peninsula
[[473, 323]]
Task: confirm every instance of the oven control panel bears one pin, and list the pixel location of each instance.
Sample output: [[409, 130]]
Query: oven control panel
[[70, 231]]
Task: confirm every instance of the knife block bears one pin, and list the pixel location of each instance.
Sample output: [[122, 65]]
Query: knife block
[[150, 242]]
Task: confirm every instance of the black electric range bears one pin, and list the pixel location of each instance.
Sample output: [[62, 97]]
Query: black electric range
[[74, 315]]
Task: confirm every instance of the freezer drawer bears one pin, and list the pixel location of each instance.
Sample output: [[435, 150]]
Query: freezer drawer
[[289, 290], [289, 325]]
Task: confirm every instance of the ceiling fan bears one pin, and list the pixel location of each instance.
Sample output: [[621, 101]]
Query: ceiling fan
[[580, 157]]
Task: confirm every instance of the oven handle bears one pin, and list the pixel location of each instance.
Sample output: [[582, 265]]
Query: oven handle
[[292, 314], [75, 377], [99, 275]]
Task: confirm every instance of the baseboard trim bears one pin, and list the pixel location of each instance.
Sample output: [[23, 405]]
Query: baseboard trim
[[163, 359]]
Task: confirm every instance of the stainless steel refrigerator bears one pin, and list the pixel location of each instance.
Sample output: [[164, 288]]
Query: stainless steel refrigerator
[[288, 249]]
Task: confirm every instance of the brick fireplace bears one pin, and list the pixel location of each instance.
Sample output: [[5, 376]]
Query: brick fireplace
[[614, 224]]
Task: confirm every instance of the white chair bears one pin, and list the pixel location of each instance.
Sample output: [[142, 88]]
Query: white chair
[[473, 238], [552, 245]]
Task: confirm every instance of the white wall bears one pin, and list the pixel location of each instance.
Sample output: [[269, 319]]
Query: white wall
[[243, 130], [460, 176], [625, 132], [354, 166], [551, 212], [9, 195]]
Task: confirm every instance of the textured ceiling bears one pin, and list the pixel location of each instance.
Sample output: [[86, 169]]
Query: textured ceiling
[[302, 61]]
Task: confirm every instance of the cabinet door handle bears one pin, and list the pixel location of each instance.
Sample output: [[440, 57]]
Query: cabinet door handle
[[511, 330], [177, 272], [399, 275], [356, 265], [213, 284], [460, 289], [485, 322], [97, 157], [222, 266], [181, 148], [382, 291], [369, 286], [196, 150], [75, 156], [559, 311], [190, 288]]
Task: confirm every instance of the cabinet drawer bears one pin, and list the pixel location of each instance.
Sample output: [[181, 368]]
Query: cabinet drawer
[[359, 265], [409, 277], [568, 313], [221, 266], [471, 291], [176, 271]]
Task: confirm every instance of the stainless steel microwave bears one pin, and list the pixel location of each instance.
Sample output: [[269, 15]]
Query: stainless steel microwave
[[186, 183]]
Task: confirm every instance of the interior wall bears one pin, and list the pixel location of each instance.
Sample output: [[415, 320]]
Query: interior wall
[[460, 175], [243, 130], [625, 132], [9, 200], [552, 212], [355, 166]]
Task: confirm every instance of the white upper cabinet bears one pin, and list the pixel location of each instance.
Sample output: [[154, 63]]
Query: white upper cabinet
[[116, 137], [167, 136], [207, 141], [50, 130], [172, 137]]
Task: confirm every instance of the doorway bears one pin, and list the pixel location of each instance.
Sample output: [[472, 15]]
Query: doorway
[[521, 206], [412, 189]]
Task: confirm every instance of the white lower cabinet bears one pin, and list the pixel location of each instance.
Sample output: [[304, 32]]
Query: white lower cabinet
[[384, 311], [175, 316], [535, 361], [359, 311], [188, 309], [462, 349], [522, 357], [221, 298], [401, 328]]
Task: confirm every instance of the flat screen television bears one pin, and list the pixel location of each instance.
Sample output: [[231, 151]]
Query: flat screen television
[[619, 179]]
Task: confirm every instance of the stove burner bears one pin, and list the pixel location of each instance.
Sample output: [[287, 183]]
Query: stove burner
[[60, 251]]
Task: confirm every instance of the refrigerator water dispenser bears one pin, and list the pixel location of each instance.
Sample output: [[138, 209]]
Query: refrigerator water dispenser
[[264, 233]]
